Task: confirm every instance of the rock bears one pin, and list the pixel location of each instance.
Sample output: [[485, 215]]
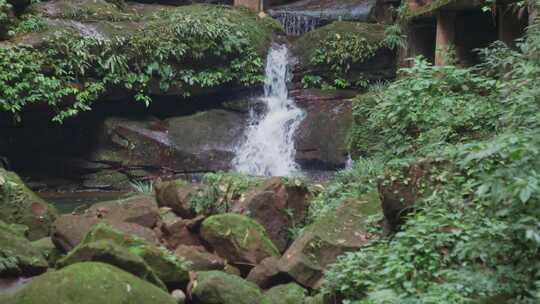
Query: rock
[[19, 205], [199, 259], [381, 66], [230, 269], [17, 255], [107, 251], [176, 232], [399, 196], [285, 294], [267, 273], [139, 209], [335, 233], [215, 287], [90, 283], [209, 146], [179, 296], [277, 205], [48, 250], [106, 180], [176, 195], [238, 238], [69, 230], [321, 138], [97, 246]]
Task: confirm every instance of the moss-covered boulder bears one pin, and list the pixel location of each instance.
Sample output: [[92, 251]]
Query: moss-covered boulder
[[105, 244], [285, 294], [199, 259], [17, 256], [19, 205], [138, 209], [216, 287], [278, 204], [344, 54], [176, 195], [107, 251], [338, 231], [89, 283], [48, 250], [238, 238]]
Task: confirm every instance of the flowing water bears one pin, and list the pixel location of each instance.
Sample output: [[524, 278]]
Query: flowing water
[[269, 147], [297, 24]]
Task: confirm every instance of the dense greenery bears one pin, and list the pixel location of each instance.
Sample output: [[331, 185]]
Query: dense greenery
[[474, 234], [340, 48], [181, 49]]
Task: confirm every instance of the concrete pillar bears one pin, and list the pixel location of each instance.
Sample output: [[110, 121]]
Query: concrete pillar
[[254, 5], [446, 36]]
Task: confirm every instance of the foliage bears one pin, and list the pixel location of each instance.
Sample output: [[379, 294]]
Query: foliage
[[220, 191], [146, 187], [339, 48], [474, 234], [184, 48]]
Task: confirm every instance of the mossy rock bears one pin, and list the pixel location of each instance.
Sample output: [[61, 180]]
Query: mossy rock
[[285, 294], [306, 46], [48, 250], [20, 205], [216, 287], [17, 255], [106, 244], [333, 234], [238, 238], [89, 283], [106, 251]]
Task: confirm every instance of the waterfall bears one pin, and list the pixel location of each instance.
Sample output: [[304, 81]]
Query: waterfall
[[269, 147], [297, 24]]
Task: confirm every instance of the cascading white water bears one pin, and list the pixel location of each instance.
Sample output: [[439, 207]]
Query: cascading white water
[[269, 146], [297, 24]]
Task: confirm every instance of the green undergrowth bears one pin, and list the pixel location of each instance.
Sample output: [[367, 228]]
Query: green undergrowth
[[333, 52], [179, 50], [473, 235]]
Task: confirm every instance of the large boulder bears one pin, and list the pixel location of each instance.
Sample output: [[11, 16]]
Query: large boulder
[[176, 195], [89, 283], [19, 205], [267, 273], [106, 244], [48, 250], [199, 259], [338, 231], [321, 138], [208, 146], [178, 232], [285, 294], [278, 205], [70, 229], [215, 287], [17, 255], [238, 238], [139, 209], [107, 251]]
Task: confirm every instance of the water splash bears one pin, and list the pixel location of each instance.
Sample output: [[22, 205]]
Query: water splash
[[269, 146]]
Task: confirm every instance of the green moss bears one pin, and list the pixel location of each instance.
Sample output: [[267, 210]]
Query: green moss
[[240, 230], [407, 14], [216, 287], [285, 294], [17, 256], [90, 283], [20, 205], [165, 264], [48, 250]]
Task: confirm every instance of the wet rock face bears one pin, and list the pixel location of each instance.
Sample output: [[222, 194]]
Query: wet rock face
[[321, 139], [198, 143]]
